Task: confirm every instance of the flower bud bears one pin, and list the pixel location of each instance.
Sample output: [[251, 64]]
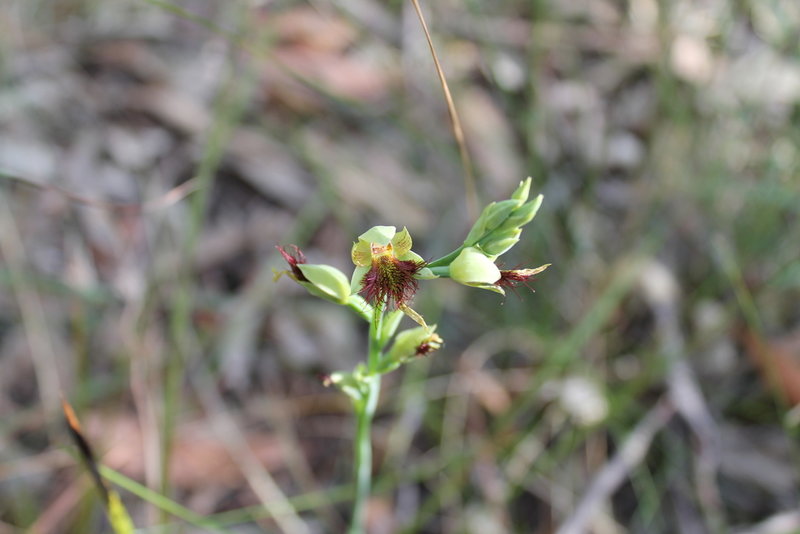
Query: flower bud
[[351, 384], [499, 220], [492, 216], [472, 267], [409, 344], [494, 246], [523, 214]]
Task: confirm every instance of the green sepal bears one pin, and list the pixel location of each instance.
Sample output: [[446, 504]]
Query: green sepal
[[358, 277], [522, 192], [325, 281], [381, 235], [472, 267]]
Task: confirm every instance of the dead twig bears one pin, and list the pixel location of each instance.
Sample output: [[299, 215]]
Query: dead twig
[[458, 131]]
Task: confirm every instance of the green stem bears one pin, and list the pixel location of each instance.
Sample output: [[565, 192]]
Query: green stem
[[365, 410], [443, 271], [446, 260]]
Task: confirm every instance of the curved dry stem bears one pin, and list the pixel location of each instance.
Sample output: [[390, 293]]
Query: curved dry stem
[[458, 131]]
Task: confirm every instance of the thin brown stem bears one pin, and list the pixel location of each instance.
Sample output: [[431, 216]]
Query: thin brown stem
[[458, 132]]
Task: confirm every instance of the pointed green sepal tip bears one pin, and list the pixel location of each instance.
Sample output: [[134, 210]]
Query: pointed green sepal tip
[[522, 192], [326, 281]]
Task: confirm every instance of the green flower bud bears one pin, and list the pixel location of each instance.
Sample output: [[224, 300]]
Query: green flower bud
[[325, 281], [504, 216], [472, 267], [409, 344], [496, 245], [524, 214], [493, 216], [351, 384]]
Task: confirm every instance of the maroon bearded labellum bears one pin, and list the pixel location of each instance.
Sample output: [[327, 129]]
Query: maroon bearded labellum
[[390, 280], [513, 278]]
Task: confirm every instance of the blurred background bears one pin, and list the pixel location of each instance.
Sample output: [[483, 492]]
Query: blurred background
[[153, 153]]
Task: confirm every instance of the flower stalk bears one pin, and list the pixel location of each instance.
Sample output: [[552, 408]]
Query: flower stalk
[[365, 412]]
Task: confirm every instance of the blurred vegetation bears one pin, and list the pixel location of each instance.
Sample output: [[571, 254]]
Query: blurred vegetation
[[152, 154]]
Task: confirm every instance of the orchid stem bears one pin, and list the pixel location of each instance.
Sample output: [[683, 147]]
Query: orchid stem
[[446, 260], [365, 410]]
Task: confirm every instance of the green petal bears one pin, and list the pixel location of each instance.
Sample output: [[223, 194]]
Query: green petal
[[382, 235], [401, 242], [361, 254], [410, 256]]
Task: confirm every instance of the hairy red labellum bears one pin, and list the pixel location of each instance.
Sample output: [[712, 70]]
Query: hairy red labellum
[[390, 280], [516, 277]]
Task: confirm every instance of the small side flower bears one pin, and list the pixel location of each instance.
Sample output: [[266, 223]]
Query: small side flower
[[321, 281], [410, 344], [474, 268]]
